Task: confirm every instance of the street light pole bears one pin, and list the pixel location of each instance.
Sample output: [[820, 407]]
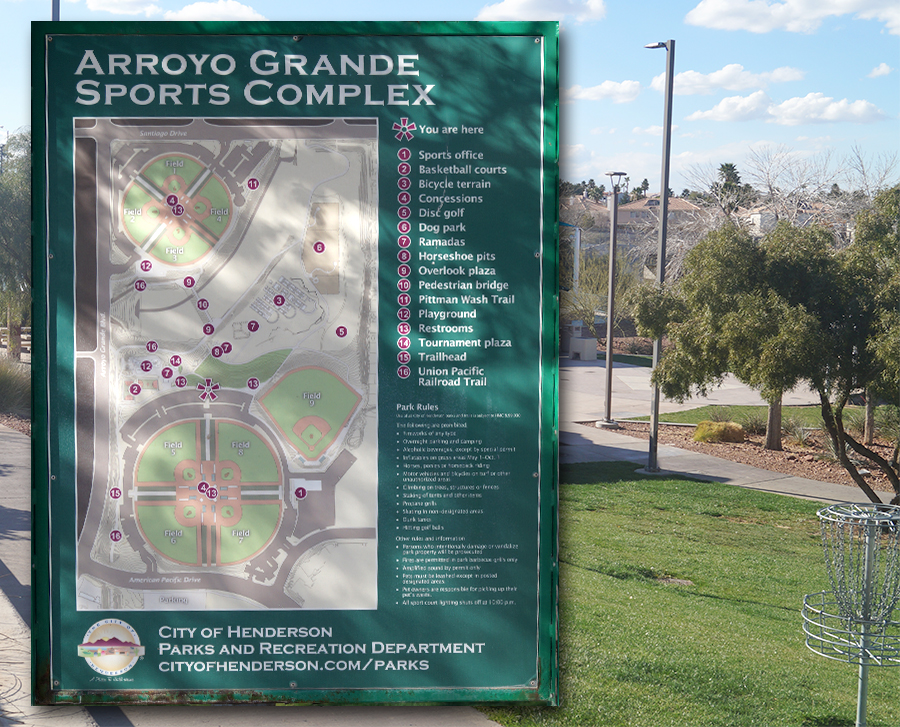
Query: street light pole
[[54, 11], [669, 45], [611, 296]]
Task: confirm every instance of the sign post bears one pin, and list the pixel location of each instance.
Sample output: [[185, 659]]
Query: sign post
[[296, 439]]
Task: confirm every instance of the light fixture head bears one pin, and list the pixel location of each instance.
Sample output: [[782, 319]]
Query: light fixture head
[[616, 174], [660, 44]]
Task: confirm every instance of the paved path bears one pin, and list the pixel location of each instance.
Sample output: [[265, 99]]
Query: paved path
[[583, 399]]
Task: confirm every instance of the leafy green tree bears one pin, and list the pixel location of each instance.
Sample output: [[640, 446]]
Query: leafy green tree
[[592, 294], [15, 236], [790, 309]]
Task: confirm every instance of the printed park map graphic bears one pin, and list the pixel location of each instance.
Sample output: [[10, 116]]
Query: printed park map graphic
[[226, 361]]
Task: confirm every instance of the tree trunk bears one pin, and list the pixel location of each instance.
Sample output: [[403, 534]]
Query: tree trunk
[[869, 430], [773, 425], [832, 418], [13, 335]]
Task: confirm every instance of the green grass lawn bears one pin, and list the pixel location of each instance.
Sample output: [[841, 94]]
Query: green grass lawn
[[680, 605]]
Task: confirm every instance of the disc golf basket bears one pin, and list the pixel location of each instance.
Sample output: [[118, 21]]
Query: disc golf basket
[[853, 621]]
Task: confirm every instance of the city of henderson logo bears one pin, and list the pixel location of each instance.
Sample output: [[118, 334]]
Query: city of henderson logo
[[111, 647]]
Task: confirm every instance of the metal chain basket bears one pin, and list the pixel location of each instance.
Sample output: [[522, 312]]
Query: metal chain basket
[[853, 622]]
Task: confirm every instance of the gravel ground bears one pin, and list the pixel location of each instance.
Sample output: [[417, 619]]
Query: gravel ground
[[801, 461], [18, 423]]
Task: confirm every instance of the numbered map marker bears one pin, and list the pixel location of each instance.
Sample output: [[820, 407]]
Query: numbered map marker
[[146, 265], [152, 346], [252, 326], [167, 373], [146, 366], [319, 246], [134, 389], [253, 183], [140, 285], [209, 329], [278, 300], [175, 360], [341, 331], [115, 493], [300, 493], [203, 304], [115, 536], [253, 383]]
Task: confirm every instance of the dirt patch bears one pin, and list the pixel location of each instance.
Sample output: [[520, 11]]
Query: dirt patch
[[807, 461]]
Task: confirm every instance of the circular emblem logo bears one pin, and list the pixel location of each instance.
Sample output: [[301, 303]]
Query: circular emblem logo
[[111, 647]]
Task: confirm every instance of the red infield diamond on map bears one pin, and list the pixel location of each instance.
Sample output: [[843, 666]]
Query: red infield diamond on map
[[207, 390], [404, 129]]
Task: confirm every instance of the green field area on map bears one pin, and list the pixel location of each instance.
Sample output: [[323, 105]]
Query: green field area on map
[[219, 199], [242, 446], [139, 226], [180, 247], [158, 524], [159, 171], [235, 376], [257, 524], [166, 450], [310, 405]]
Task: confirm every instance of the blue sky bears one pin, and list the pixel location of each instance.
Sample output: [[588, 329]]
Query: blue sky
[[811, 76]]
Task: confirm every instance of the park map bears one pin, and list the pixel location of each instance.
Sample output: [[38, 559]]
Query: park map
[[226, 363]]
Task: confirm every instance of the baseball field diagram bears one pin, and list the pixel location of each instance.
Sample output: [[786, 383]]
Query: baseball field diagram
[[227, 363]]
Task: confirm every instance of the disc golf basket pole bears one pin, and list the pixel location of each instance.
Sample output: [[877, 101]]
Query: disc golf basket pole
[[852, 622]]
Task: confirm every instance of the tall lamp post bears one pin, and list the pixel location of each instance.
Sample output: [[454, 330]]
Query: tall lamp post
[[669, 45], [614, 178]]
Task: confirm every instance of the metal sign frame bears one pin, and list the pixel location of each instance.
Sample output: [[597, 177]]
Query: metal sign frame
[[296, 401]]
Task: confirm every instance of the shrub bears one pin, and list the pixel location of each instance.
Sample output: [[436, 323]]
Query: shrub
[[887, 422], [15, 388], [719, 432], [797, 432], [720, 414], [754, 422]]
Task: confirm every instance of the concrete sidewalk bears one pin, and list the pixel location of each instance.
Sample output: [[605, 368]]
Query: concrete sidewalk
[[583, 399]]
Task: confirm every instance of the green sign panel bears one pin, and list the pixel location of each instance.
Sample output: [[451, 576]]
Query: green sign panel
[[297, 437]]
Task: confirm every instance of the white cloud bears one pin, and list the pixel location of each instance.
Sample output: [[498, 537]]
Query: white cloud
[[124, 7], [581, 10], [652, 130], [618, 92], [882, 69], [797, 16], [736, 108], [219, 10], [814, 108], [818, 108], [732, 77]]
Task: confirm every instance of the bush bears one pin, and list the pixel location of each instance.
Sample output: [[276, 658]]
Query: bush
[[720, 414], [719, 432], [754, 422], [15, 388], [797, 432], [887, 422]]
